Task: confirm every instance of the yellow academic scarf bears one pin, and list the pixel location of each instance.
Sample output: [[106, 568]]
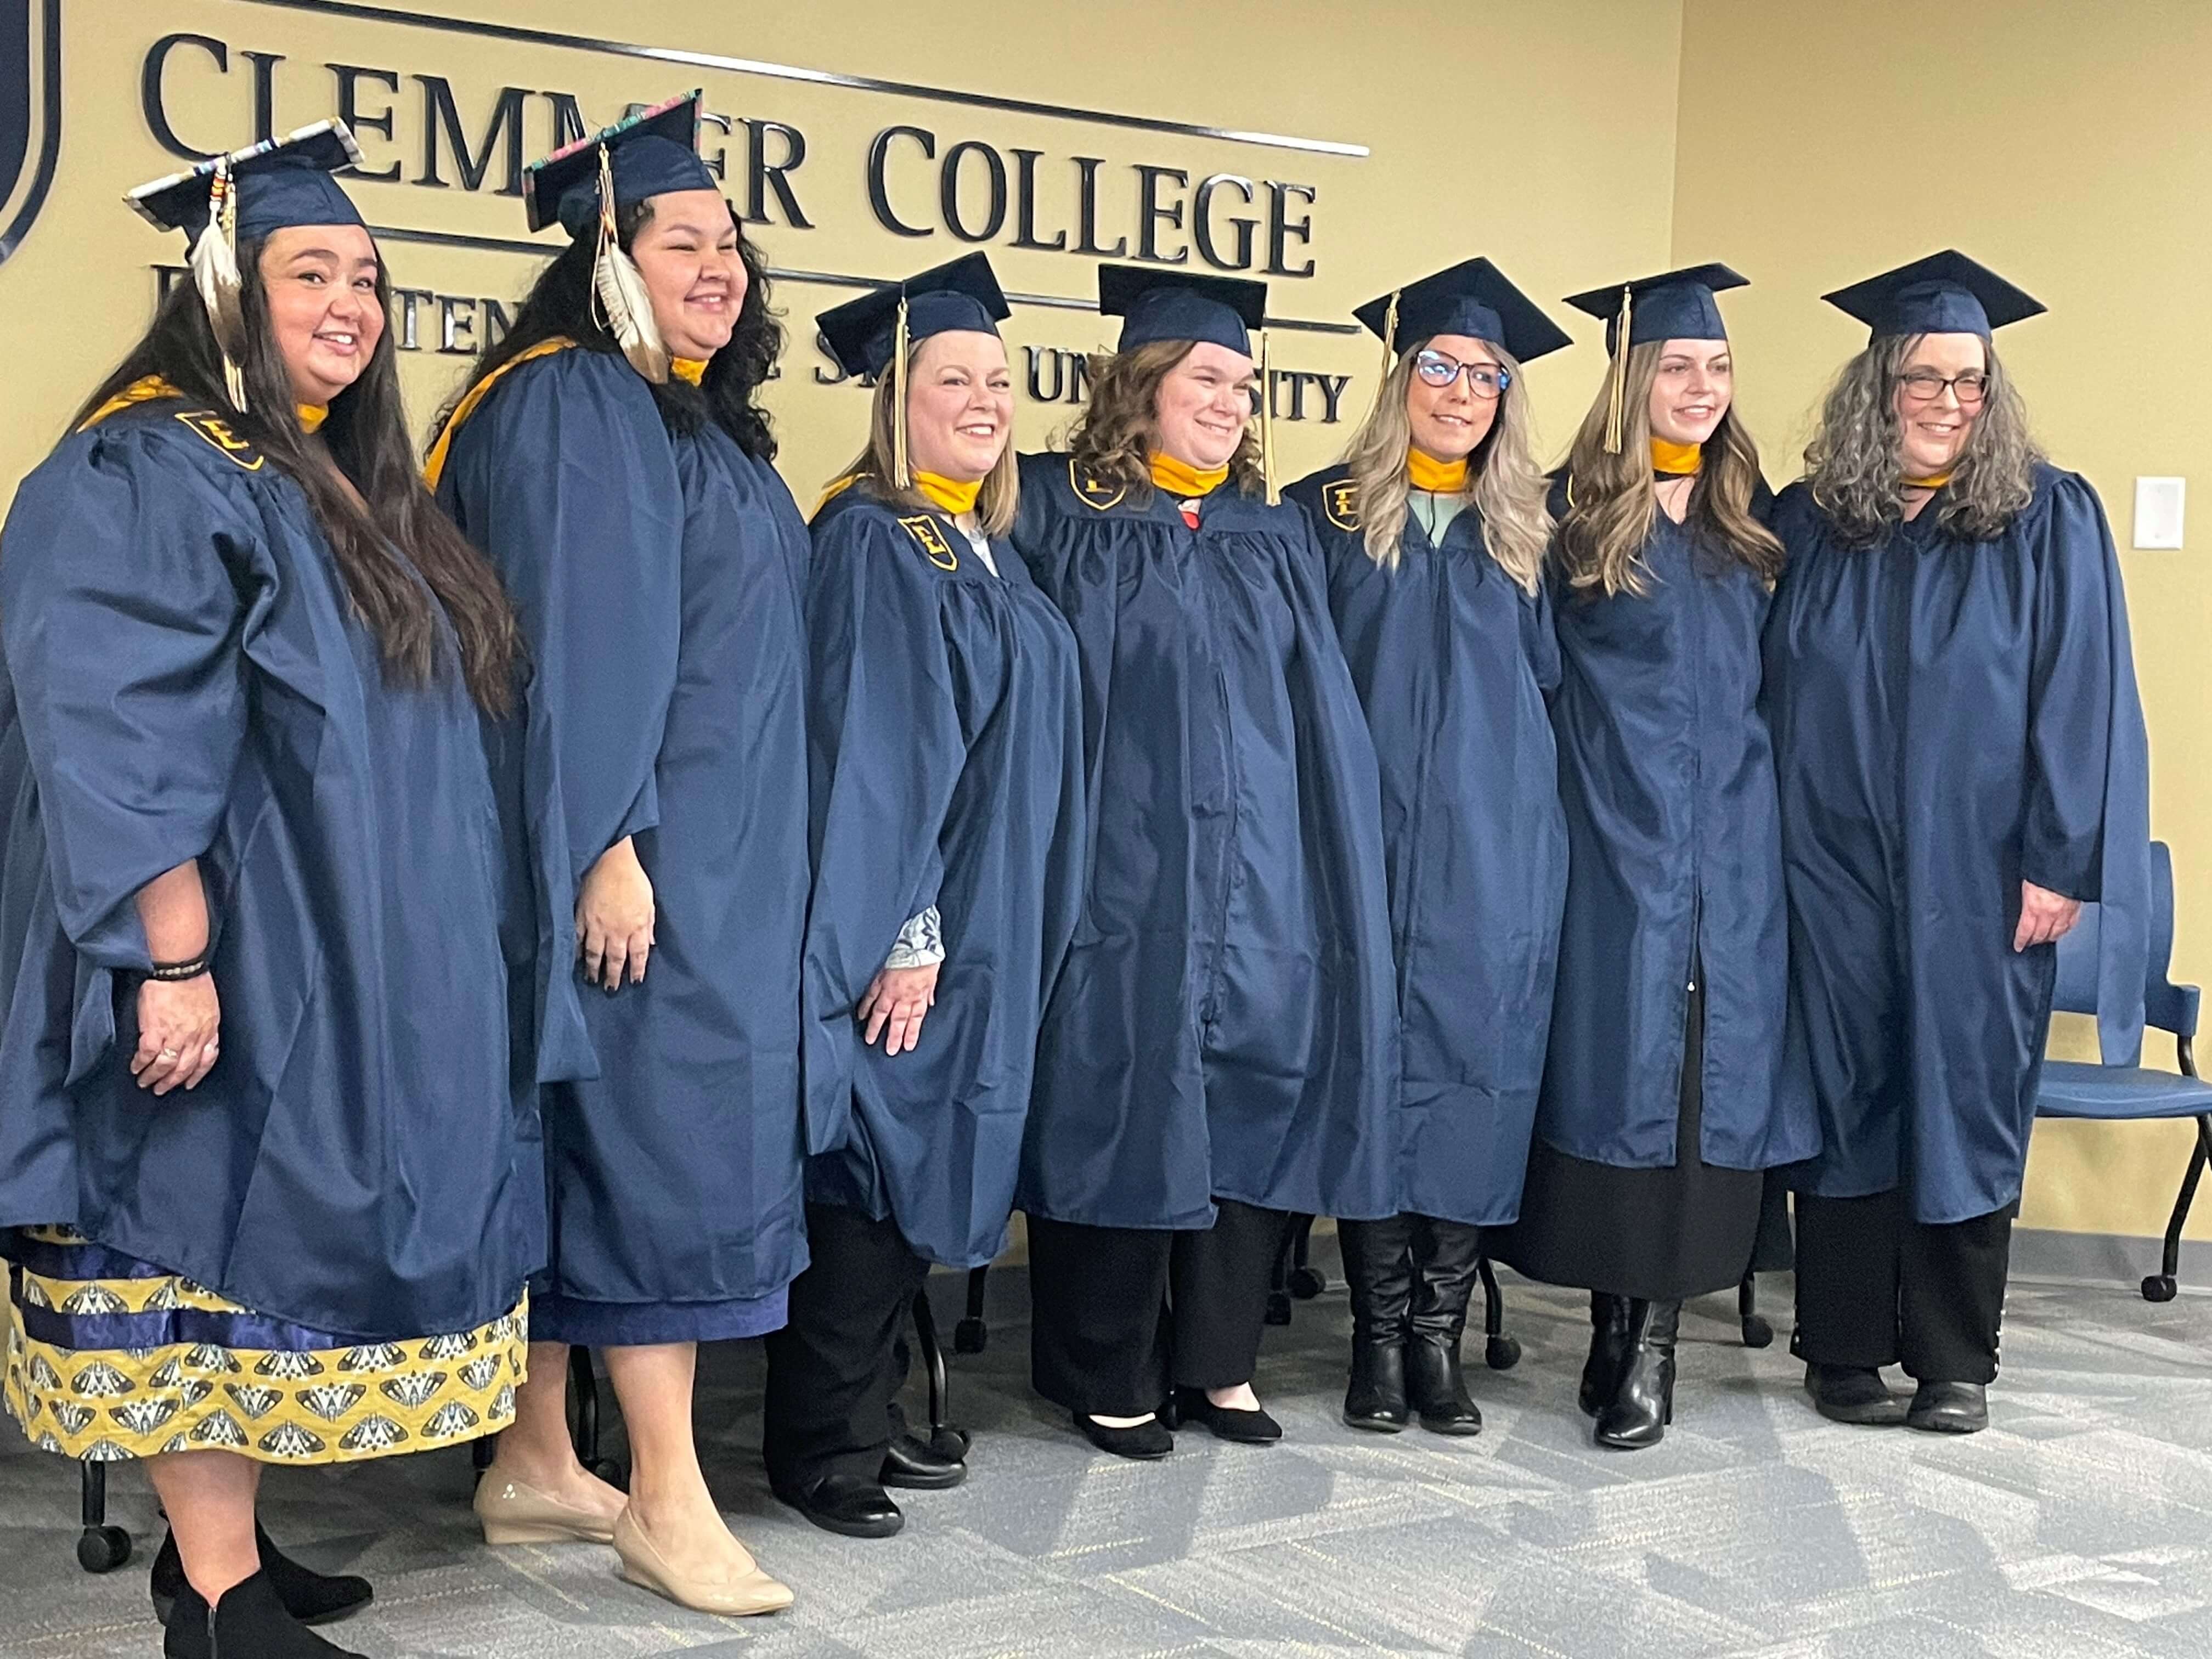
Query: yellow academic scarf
[[1676, 460], [1438, 477], [693, 369], [1936, 482], [312, 417], [1180, 478], [952, 494]]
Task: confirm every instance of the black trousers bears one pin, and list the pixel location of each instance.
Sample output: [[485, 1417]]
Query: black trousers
[[1875, 1287], [1120, 1314], [833, 1373]]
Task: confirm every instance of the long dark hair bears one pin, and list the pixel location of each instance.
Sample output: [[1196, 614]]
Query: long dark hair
[[559, 305], [385, 531]]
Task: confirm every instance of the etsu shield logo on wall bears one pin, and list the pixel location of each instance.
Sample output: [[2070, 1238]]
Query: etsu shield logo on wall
[[30, 112]]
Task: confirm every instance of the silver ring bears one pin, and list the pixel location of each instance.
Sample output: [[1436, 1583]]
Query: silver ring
[[167, 1053]]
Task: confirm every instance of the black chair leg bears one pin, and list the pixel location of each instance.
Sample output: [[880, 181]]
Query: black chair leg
[[1305, 1281], [2160, 1286], [99, 1548], [945, 1439], [970, 1334], [1757, 1332], [1499, 1352], [583, 1396]]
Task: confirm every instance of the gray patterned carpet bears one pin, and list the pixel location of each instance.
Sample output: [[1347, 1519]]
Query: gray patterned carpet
[[2079, 1528]]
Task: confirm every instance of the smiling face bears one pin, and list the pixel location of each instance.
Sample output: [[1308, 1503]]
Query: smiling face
[[959, 405], [687, 251], [1692, 390], [324, 311], [1449, 422], [1200, 409], [1934, 431]]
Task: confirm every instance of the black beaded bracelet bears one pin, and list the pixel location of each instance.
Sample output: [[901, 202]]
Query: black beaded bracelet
[[180, 970]]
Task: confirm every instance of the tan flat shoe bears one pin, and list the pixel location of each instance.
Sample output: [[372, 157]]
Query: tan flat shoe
[[512, 1513], [735, 1596]]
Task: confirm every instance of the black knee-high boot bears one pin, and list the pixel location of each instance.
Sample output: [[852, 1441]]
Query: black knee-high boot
[[1378, 1265], [1642, 1403], [1609, 1349], [1446, 1258]]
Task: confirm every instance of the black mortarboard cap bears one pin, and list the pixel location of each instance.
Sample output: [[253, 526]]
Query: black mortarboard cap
[[1473, 298], [281, 183], [961, 296], [1945, 293], [1675, 305], [652, 153], [1176, 304]]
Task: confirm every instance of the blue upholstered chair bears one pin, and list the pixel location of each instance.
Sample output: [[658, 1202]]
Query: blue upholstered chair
[[2125, 1093]]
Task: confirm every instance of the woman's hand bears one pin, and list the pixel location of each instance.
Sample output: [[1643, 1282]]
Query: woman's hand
[[898, 1000], [180, 1027], [2043, 916], [614, 918]]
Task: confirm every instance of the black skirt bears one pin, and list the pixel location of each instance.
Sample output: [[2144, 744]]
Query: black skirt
[[1663, 1234]]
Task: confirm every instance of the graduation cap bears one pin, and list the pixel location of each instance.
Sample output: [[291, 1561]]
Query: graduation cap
[[1156, 305], [649, 153], [1945, 293], [1473, 298], [277, 185], [270, 186], [1675, 305]]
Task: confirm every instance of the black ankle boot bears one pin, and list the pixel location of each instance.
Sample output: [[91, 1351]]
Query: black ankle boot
[[311, 1597], [1609, 1349], [248, 1622], [1448, 1255], [1643, 1402], [1378, 1268]]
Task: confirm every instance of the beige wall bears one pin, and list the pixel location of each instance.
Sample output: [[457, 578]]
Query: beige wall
[[1575, 141]]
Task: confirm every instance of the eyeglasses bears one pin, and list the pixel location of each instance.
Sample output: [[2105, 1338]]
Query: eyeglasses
[[1925, 385], [1485, 380]]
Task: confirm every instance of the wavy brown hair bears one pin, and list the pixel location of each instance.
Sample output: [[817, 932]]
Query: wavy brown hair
[[877, 464], [389, 541], [1503, 483], [1610, 508], [1856, 465], [1113, 438]]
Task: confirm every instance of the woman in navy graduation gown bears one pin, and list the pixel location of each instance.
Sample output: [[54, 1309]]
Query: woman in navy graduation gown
[[261, 1187], [1962, 765], [1674, 1077], [945, 726], [1434, 529], [654, 797], [1221, 1047]]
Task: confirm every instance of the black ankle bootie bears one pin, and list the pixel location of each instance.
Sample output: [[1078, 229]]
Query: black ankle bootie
[[1608, 1351], [1448, 1257], [1643, 1402], [249, 1621], [1378, 1268], [311, 1597]]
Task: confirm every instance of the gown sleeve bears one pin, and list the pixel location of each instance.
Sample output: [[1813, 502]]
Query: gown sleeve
[[885, 751], [122, 626], [1540, 637]]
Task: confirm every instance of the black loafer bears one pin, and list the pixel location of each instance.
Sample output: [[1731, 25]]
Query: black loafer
[[1143, 1440], [1949, 1408], [847, 1504], [1246, 1428], [311, 1597], [1853, 1393], [913, 1465]]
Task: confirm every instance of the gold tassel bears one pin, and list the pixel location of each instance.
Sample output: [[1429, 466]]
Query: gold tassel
[[214, 273], [1389, 348], [1617, 391], [1268, 425], [905, 479], [620, 303]]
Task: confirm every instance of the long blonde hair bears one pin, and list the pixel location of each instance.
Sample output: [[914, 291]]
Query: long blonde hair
[[1857, 472], [1503, 483], [1611, 509], [876, 467], [1113, 438]]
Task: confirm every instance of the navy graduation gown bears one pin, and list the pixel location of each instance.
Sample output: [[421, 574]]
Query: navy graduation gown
[[1675, 859], [1951, 717], [945, 726], [1226, 1023], [658, 581], [1454, 660], [185, 678]]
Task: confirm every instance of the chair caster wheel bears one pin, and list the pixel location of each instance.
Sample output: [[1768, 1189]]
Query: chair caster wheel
[[1278, 1307], [1307, 1283], [949, 1442], [612, 1472], [102, 1549], [2159, 1287], [1756, 1333], [1502, 1353], [968, 1336]]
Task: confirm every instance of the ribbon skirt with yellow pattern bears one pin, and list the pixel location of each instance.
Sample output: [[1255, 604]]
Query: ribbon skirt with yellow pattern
[[110, 1358]]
